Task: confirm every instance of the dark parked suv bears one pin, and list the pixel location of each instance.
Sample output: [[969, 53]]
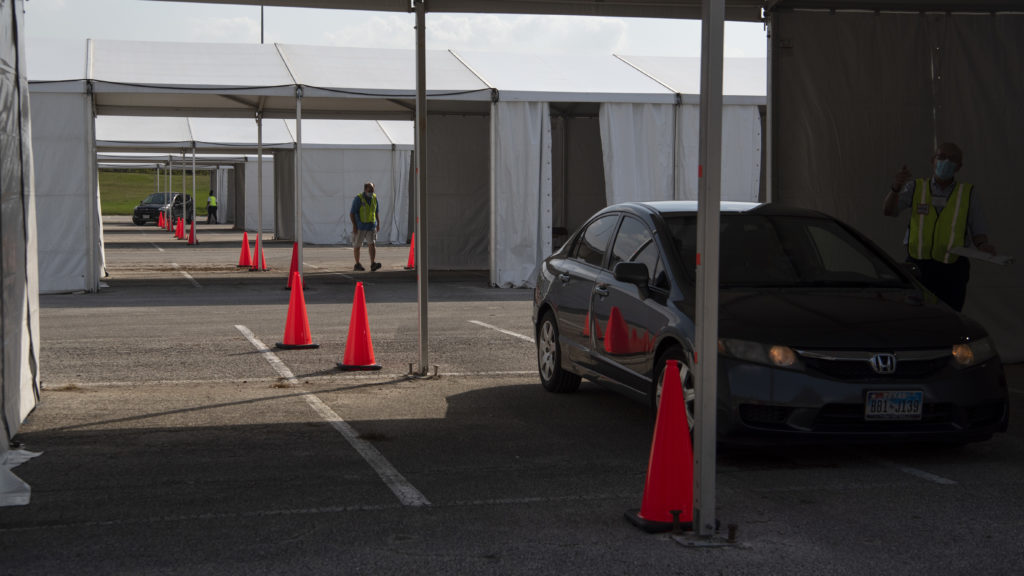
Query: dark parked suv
[[821, 334], [149, 209]]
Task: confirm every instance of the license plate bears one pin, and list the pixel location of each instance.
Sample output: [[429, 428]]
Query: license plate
[[893, 405]]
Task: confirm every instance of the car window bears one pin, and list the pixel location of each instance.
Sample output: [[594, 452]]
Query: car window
[[156, 198], [634, 243], [594, 240], [758, 250]]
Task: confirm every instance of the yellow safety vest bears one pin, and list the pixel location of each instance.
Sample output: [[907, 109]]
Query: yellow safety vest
[[367, 212], [932, 235], [212, 201]]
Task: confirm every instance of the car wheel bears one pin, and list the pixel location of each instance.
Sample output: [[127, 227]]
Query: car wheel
[[549, 359], [689, 395]]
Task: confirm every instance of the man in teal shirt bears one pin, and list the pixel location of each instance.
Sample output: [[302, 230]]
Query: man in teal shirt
[[365, 216]]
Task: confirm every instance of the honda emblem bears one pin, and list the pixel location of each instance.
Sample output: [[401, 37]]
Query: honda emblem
[[883, 363]]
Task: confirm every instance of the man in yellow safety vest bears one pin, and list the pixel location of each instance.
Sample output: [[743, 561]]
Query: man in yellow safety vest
[[945, 214], [365, 216], [211, 208]]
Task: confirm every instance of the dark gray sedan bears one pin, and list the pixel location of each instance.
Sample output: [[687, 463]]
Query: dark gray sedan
[[822, 335]]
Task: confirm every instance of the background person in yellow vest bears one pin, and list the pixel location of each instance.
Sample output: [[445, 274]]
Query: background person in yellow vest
[[365, 216], [211, 208], [945, 213]]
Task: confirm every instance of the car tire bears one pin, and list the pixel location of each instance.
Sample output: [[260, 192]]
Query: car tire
[[689, 394], [549, 359]]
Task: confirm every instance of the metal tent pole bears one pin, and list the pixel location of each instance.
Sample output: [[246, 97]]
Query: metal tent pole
[[422, 265], [298, 179], [708, 214], [259, 188]]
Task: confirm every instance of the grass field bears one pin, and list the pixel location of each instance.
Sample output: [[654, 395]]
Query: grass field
[[121, 190]]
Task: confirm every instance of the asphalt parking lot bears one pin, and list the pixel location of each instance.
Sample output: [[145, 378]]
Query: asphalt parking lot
[[173, 438]]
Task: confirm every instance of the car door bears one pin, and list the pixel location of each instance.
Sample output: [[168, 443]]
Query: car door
[[627, 316], [574, 280]]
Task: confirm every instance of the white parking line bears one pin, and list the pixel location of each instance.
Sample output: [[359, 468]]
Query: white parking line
[[520, 336], [186, 275], [918, 473], [157, 247], [406, 492]]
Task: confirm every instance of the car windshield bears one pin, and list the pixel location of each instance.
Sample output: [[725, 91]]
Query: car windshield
[[786, 251], [157, 198]]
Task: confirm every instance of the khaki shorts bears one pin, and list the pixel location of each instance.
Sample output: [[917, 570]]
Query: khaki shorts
[[368, 236]]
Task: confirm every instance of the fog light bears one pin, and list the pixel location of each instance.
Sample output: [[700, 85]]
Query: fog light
[[782, 356]]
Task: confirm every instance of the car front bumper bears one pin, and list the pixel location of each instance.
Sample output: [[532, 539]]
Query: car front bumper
[[758, 402]]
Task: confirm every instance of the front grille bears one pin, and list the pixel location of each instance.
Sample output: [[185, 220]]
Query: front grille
[[861, 369], [857, 364]]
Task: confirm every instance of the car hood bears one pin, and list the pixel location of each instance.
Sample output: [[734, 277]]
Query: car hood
[[842, 318]]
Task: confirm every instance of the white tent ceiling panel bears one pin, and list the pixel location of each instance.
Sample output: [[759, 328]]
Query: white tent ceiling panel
[[361, 72], [562, 78], [56, 65], [145, 66], [241, 132], [135, 132], [403, 134], [335, 133], [740, 76]]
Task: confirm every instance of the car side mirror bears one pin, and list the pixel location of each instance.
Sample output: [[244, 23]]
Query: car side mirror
[[632, 272]]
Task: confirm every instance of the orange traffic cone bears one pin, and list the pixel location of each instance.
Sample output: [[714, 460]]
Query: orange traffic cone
[[244, 260], [192, 233], [412, 253], [296, 329], [259, 257], [295, 267], [668, 492], [179, 232], [160, 220], [359, 346]]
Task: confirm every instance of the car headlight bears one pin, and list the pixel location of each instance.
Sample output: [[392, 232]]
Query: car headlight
[[973, 352], [768, 354]]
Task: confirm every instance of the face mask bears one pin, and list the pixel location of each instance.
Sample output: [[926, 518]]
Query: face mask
[[944, 169]]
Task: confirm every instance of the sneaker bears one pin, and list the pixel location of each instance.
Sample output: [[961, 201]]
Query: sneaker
[[375, 266], [358, 267]]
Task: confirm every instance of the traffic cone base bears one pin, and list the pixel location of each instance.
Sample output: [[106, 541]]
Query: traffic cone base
[[296, 346], [359, 367], [655, 527]]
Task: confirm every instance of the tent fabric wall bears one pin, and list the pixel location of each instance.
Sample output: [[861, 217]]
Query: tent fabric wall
[[333, 178], [637, 141], [741, 152], [66, 192], [250, 206], [458, 181], [521, 192], [857, 95], [19, 309]]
